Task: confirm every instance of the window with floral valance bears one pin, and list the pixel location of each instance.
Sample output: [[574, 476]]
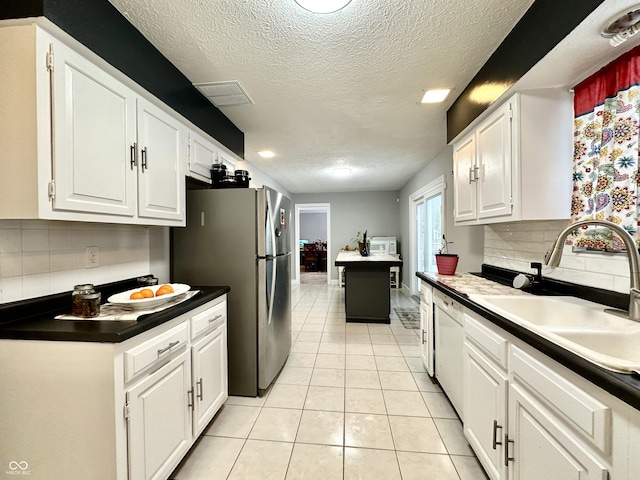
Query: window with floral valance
[[606, 151]]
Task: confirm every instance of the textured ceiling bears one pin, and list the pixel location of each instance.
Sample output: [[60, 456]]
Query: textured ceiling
[[332, 90]]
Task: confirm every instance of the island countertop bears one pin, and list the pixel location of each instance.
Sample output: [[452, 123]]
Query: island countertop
[[346, 259]]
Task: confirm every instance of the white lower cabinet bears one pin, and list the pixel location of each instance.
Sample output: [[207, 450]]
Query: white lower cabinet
[[159, 428], [123, 411], [539, 446], [426, 327], [209, 361], [526, 420], [485, 410]]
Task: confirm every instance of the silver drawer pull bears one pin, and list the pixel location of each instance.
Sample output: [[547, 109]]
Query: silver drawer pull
[[495, 434], [199, 385], [217, 317], [168, 347]]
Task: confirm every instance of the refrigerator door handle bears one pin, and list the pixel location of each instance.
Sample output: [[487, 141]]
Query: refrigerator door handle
[[271, 295], [272, 233]]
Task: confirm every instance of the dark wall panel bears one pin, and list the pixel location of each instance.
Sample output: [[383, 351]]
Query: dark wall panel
[[541, 28], [20, 9], [100, 27]]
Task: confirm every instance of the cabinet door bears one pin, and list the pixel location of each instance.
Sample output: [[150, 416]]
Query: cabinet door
[[209, 357], [485, 410], [494, 162], [94, 131], [541, 447], [162, 143], [426, 329], [160, 420], [464, 174], [202, 154]]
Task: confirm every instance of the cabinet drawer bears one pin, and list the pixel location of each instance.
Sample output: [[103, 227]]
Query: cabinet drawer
[[579, 410], [209, 319], [154, 351], [491, 343]]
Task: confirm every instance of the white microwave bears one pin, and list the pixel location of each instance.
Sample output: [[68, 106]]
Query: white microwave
[[388, 245]]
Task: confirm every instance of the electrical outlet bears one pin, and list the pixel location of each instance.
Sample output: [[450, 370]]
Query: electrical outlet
[[93, 257]]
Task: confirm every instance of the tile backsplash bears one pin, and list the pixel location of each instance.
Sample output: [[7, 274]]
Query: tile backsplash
[[39, 257], [516, 245]]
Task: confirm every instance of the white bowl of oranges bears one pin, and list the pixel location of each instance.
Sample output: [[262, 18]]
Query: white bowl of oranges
[[148, 297]]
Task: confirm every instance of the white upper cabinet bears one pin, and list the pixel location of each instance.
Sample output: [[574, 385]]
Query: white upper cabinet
[[493, 165], [82, 142], [162, 153], [515, 164], [202, 154], [94, 126], [464, 174]]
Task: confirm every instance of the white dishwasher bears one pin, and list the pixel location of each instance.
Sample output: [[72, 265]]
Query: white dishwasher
[[449, 340]]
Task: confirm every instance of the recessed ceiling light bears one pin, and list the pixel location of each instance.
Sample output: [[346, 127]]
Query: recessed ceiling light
[[266, 154], [341, 172], [323, 6], [435, 95]]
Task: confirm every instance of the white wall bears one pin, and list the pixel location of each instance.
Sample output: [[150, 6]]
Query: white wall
[[376, 212], [313, 226], [467, 241], [39, 257], [516, 245]]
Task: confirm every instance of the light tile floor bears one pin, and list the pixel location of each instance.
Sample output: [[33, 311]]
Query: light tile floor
[[352, 402]]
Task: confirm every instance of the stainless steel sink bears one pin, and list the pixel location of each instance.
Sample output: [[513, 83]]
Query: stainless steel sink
[[587, 329]]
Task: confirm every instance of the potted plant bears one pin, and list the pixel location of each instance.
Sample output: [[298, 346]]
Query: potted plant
[[363, 243], [445, 261]]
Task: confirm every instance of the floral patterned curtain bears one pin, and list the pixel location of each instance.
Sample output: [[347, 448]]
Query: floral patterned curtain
[[606, 150]]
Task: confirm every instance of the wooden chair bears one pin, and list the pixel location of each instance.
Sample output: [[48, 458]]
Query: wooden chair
[[309, 258]]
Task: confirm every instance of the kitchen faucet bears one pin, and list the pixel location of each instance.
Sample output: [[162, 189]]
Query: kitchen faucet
[[553, 256]]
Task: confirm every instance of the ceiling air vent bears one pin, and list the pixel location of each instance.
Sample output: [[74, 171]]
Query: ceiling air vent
[[224, 94]]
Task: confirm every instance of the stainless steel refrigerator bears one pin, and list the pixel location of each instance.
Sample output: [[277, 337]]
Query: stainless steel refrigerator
[[240, 237]]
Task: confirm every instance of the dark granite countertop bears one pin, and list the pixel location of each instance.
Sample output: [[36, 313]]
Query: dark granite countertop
[[33, 319], [624, 386]]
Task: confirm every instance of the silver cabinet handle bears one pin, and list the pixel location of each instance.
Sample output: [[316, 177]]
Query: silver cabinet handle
[[470, 175], [190, 398], [132, 151], [144, 159], [495, 434], [476, 175], [507, 458], [423, 340], [199, 385], [211, 320], [168, 347]]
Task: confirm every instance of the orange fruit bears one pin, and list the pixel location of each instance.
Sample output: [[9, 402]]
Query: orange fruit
[[147, 293], [136, 296], [162, 291], [168, 287]]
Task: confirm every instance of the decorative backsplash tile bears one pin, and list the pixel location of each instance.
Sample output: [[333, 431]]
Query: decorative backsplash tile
[[516, 245], [40, 257]]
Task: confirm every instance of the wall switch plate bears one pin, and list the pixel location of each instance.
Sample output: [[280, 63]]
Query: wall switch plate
[[93, 257]]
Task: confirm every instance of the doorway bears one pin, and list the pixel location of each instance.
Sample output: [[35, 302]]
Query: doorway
[[313, 233], [427, 226]]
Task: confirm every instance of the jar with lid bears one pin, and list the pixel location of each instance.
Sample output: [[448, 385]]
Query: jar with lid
[[90, 304], [76, 301]]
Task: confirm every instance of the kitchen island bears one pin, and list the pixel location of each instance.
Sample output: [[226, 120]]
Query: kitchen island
[[367, 289]]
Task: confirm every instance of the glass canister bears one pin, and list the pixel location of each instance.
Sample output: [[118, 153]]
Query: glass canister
[[76, 301], [90, 304]]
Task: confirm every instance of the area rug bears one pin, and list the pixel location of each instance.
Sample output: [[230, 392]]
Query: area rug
[[410, 317]]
